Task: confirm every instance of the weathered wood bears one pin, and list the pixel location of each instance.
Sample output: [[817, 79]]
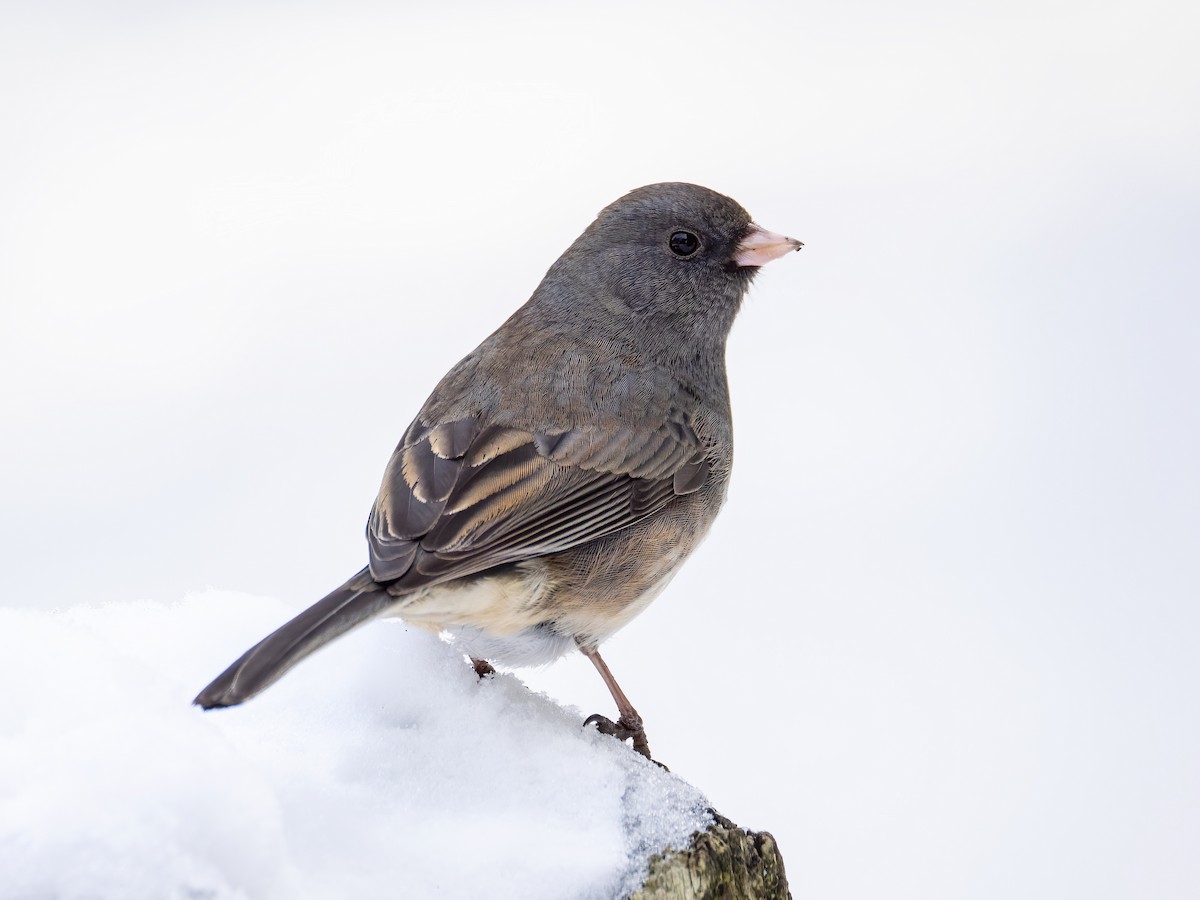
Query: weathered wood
[[723, 863]]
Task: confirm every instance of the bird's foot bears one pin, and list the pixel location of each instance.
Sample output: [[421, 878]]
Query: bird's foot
[[482, 667], [623, 729]]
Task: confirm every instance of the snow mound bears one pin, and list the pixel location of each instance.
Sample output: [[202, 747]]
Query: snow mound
[[381, 767]]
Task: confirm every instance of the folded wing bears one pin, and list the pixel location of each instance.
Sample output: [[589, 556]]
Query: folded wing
[[460, 497]]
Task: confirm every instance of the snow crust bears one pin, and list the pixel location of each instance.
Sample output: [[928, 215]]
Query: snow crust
[[380, 767]]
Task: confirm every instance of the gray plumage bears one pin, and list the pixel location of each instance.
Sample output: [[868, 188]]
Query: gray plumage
[[559, 474]]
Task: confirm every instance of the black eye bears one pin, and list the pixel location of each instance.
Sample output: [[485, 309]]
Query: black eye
[[684, 243]]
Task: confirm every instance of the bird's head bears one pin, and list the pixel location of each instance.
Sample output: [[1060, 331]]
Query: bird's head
[[675, 253]]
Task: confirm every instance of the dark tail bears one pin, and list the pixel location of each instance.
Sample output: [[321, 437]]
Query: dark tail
[[356, 601]]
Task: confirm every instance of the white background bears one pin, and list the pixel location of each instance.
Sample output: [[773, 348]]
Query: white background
[[942, 642]]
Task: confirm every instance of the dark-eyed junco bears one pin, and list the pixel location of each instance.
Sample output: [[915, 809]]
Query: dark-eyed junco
[[561, 473]]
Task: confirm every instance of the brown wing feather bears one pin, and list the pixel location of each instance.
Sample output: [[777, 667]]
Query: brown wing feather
[[458, 498]]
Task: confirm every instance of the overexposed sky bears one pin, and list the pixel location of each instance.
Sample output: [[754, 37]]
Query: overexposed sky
[[941, 643]]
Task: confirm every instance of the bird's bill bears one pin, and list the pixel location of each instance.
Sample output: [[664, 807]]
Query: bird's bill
[[760, 246]]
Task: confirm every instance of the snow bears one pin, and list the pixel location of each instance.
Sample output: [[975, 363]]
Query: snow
[[381, 767]]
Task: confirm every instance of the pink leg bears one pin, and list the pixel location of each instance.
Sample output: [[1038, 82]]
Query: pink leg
[[629, 723], [482, 667]]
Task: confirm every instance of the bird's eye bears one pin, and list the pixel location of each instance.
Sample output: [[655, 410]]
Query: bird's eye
[[684, 243]]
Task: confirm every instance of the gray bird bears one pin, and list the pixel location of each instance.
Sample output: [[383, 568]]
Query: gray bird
[[560, 474]]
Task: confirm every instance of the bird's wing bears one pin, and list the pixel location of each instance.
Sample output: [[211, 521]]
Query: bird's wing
[[458, 498]]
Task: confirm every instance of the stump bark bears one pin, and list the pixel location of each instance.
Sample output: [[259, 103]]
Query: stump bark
[[724, 862]]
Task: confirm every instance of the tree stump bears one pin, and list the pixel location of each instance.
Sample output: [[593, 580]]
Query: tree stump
[[722, 863]]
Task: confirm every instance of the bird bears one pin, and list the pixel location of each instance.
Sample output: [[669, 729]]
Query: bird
[[560, 473]]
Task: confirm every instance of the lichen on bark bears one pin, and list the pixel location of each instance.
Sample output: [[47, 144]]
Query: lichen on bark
[[724, 862]]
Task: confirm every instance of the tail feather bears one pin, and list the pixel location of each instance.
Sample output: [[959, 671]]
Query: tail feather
[[355, 602]]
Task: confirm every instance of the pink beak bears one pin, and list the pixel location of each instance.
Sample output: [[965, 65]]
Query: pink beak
[[760, 246]]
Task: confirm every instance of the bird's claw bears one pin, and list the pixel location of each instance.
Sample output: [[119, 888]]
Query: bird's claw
[[623, 729]]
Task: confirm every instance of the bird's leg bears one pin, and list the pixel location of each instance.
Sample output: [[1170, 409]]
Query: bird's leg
[[482, 667], [629, 723]]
